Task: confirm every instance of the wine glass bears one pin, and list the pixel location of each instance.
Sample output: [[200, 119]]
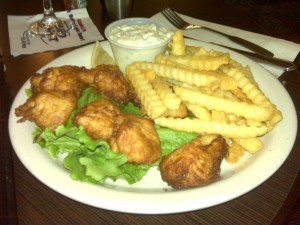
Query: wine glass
[[50, 26]]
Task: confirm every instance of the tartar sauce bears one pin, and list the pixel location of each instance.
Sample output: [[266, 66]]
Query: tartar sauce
[[140, 35]]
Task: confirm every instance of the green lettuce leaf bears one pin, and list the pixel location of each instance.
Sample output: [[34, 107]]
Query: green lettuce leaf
[[130, 108], [88, 95], [172, 139], [28, 92], [95, 167], [134, 173]]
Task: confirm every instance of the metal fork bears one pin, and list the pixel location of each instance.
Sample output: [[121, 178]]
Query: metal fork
[[178, 22]]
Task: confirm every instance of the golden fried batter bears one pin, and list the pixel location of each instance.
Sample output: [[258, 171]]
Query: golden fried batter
[[97, 118], [110, 82], [64, 78], [137, 138], [48, 108], [196, 163]]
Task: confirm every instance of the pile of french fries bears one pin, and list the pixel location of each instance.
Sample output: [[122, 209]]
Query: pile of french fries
[[207, 92]]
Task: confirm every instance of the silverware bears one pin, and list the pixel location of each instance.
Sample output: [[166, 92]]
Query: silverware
[[178, 22], [285, 64]]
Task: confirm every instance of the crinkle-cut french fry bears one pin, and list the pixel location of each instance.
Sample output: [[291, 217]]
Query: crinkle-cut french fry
[[242, 109], [211, 79], [199, 62], [246, 70], [168, 62], [211, 127], [214, 52], [171, 63], [195, 50], [228, 95], [274, 120], [235, 119], [241, 95], [149, 75], [182, 84], [226, 82], [181, 112], [248, 87], [177, 44], [254, 123], [217, 93], [166, 94], [180, 74], [252, 145], [198, 50], [219, 116], [200, 112], [235, 153], [253, 92], [203, 113], [243, 121], [207, 139], [151, 102]]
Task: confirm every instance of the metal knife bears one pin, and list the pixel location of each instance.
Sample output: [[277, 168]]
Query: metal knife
[[285, 64], [251, 46]]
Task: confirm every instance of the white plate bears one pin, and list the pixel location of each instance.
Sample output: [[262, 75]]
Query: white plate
[[151, 195]]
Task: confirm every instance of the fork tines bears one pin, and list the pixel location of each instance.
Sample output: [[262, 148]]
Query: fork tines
[[173, 18]]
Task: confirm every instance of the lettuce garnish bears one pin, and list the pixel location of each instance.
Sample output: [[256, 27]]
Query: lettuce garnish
[[93, 161]]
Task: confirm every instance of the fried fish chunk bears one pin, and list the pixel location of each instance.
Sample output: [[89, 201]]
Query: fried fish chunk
[[137, 138], [97, 118], [64, 78], [196, 163], [48, 108], [110, 82]]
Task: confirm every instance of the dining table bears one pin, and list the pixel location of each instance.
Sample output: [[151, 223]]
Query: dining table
[[27, 200]]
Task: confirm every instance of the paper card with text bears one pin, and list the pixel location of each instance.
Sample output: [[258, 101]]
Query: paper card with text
[[21, 42]]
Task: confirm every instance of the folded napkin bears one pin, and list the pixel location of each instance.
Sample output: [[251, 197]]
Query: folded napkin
[[21, 43], [281, 48]]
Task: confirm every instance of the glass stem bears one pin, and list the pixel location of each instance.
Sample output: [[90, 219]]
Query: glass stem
[[48, 9], [49, 15]]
